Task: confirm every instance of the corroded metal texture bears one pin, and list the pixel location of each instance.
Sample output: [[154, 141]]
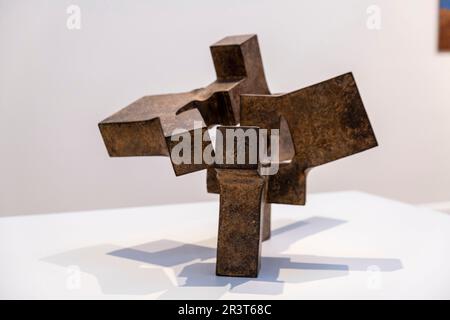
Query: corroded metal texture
[[240, 222], [243, 141], [145, 127], [317, 124], [327, 121], [267, 214], [243, 148]]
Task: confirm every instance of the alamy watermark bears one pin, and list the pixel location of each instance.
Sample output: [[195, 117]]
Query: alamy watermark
[[374, 278], [239, 146], [373, 17], [73, 21], [73, 279]]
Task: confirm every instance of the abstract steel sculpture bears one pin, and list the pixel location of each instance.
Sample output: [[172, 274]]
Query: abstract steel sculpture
[[316, 125]]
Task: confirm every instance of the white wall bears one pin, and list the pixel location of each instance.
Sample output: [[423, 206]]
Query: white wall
[[56, 84]]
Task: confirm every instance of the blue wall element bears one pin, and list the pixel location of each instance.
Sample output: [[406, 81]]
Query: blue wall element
[[445, 4]]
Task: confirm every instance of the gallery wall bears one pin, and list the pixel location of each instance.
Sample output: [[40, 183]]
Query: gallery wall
[[57, 83]]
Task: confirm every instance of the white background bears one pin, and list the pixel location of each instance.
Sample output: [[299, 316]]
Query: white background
[[57, 84]]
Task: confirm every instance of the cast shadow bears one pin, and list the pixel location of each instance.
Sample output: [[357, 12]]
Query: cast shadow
[[168, 253], [181, 270]]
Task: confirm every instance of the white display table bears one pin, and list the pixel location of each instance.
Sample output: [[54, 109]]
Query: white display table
[[340, 245]]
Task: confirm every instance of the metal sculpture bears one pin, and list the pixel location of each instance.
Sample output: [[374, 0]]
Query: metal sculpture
[[313, 126]]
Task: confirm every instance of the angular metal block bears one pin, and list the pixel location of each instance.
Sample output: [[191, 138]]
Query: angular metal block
[[240, 222], [316, 125], [327, 121], [237, 148]]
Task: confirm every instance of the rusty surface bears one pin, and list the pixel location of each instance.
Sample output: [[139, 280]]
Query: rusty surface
[[249, 141], [246, 144], [146, 126], [267, 214], [327, 121], [240, 222], [317, 124]]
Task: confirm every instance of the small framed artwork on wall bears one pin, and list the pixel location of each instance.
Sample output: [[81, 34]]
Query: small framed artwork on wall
[[444, 25]]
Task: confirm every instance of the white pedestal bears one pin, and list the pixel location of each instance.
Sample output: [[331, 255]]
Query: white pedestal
[[340, 245]]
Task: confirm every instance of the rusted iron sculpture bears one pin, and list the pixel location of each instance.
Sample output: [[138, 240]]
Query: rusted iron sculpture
[[316, 125]]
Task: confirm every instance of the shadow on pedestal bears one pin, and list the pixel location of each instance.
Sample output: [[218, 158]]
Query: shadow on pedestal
[[183, 270]]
